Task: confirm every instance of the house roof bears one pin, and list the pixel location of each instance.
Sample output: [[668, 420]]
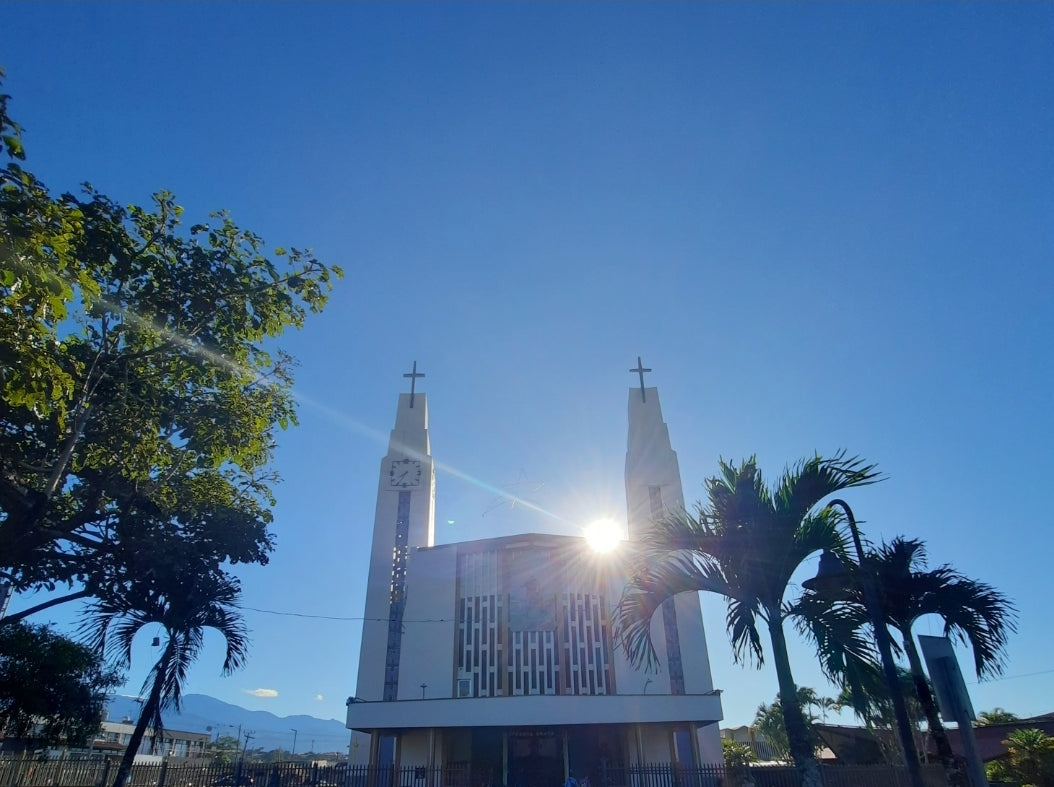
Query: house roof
[[991, 736], [859, 745]]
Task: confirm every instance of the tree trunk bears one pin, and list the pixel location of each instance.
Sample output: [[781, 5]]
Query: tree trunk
[[793, 718], [145, 715], [25, 613], [953, 770]]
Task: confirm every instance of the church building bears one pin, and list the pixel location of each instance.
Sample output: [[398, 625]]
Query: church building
[[498, 654]]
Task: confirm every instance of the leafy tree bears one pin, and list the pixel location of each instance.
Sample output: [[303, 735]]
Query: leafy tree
[[987, 718], [50, 686], [873, 705], [826, 704], [769, 721], [1029, 761], [224, 750], [973, 612], [738, 757], [745, 544], [139, 390], [185, 603]]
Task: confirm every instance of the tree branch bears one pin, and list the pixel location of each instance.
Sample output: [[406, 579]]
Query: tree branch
[[17, 616]]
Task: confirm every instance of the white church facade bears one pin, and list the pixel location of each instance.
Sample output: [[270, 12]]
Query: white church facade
[[509, 667]]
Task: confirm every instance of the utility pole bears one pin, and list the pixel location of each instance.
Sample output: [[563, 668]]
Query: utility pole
[[249, 735]]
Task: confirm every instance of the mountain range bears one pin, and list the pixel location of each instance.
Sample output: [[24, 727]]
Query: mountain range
[[202, 713]]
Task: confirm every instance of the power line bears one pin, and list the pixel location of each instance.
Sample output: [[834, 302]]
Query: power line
[[1011, 677], [450, 620], [340, 617]]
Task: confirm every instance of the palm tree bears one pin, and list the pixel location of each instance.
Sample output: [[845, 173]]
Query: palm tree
[[1029, 759], [768, 720], [872, 705], [745, 545], [973, 612], [987, 718], [184, 603]]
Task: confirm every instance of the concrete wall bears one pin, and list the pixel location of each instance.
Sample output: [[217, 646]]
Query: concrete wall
[[709, 738], [536, 710], [656, 742], [414, 749], [428, 649]]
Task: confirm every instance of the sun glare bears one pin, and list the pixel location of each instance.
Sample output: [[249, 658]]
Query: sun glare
[[603, 535]]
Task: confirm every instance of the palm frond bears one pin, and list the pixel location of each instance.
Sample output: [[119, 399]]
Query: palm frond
[[235, 633], [839, 632], [678, 531], [974, 613], [803, 486], [815, 533], [738, 496], [741, 622], [653, 582]]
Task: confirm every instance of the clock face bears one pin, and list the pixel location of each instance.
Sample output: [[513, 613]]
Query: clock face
[[404, 473]]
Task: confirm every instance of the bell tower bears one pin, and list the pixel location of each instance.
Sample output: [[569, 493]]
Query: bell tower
[[653, 491], [404, 518]]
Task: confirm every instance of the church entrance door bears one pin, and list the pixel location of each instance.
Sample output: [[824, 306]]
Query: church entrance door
[[536, 757]]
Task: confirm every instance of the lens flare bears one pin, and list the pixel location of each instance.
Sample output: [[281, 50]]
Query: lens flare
[[603, 535]]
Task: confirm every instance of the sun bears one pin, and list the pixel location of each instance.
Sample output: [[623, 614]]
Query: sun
[[603, 535]]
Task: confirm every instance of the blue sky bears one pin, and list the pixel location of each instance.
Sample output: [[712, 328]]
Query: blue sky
[[823, 226]]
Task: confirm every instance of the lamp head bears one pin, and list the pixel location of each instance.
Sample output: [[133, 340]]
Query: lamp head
[[831, 577]]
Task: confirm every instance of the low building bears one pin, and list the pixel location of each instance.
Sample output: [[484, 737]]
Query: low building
[[750, 737], [114, 736]]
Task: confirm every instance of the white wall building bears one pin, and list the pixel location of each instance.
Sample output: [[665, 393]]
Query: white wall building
[[522, 678], [115, 735]]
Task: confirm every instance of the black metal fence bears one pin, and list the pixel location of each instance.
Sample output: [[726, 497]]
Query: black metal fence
[[27, 772], [72, 772]]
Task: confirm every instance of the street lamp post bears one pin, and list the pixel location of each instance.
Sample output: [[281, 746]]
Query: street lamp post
[[829, 566], [293, 750]]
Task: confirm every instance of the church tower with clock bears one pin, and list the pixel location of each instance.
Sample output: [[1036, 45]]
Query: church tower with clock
[[404, 519]]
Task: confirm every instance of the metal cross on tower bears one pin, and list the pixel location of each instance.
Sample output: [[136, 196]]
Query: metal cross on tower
[[640, 370], [413, 375]]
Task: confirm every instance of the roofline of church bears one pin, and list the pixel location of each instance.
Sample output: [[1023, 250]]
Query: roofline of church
[[519, 539]]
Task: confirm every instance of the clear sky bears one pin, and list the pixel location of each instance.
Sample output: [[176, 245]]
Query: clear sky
[[823, 226]]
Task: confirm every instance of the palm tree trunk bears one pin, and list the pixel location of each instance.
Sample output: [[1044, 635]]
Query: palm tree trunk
[[793, 718], [147, 713], [956, 776]]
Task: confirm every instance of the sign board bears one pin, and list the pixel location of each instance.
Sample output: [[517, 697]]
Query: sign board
[[947, 679]]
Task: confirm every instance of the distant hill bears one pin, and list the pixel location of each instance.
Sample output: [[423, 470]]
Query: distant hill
[[202, 713]]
